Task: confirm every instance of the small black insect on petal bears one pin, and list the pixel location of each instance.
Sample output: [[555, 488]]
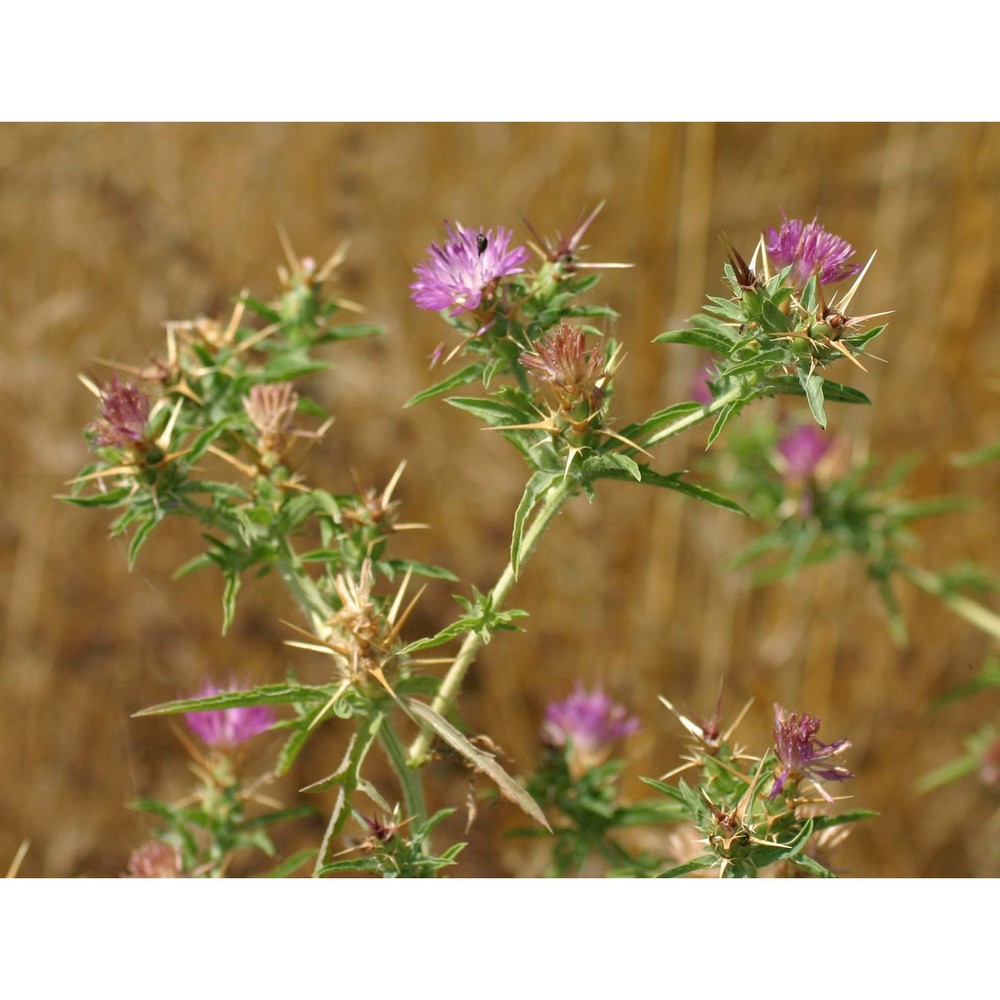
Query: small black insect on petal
[[482, 243]]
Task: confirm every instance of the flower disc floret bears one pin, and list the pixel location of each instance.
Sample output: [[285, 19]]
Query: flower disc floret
[[459, 272], [810, 249]]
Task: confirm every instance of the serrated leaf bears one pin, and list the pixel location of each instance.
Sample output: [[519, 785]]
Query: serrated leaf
[[709, 340], [611, 465], [468, 374], [268, 694], [480, 760]]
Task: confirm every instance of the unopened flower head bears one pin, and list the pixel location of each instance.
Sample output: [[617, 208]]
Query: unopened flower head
[[458, 273], [271, 409], [810, 249], [562, 361], [801, 755], [124, 418], [588, 724], [228, 728]]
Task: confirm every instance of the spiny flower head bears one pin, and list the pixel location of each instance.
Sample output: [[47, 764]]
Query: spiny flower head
[[124, 415], [271, 409], [458, 273], [810, 249], [228, 728], [588, 724], [562, 361], [802, 755]]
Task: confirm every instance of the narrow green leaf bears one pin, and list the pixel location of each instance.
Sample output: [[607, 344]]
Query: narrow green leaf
[[492, 412], [660, 419], [536, 485], [791, 386], [233, 580], [292, 863], [698, 865], [480, 760], [775, 321], [136, 542], [468, 374], [723, 418], [812, 385], [268, 694], [109, 499], [709, 340]]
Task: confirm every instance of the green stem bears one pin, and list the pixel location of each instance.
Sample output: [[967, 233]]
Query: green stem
[[452, 682], [696, 416], [409, 778], [972, 611]]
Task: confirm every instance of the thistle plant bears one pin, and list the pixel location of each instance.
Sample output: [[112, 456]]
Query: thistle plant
[[219, 428]]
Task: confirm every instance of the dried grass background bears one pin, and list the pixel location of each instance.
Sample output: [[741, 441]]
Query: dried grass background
[[108, 231]]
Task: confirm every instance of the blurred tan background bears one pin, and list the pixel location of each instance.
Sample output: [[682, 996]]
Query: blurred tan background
[[109, 230]]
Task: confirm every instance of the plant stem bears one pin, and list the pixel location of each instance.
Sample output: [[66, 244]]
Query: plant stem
[[448, 692], [696, 416], [972, 611]]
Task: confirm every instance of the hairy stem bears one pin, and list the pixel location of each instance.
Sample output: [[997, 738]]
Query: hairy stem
[[695, 416]]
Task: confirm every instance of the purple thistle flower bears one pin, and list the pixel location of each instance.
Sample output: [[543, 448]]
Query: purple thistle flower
[[801, 755], [227, 728], [458, 273], [124, 415], [589, 724], [802, 450], [810, 249], [154, 859]]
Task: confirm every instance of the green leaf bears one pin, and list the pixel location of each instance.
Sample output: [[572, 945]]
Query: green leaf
[[789, 385], [468, 374], [420, 569], [698, 865], [293, 863], [709, 340], [109, 499], [492, 412], [660, 419], [775, 321], [538, 483], [480, 760], [722, 419], [350, 331], [284, 369], [142, 533], [269, 694], [231, 588], [611, 465], [812, 385]]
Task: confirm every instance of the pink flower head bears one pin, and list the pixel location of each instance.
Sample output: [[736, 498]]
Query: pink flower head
[[801, 755], [589, 724], [457, 274], [810, 249], [227, 728], [124, 415], [802, 450]]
